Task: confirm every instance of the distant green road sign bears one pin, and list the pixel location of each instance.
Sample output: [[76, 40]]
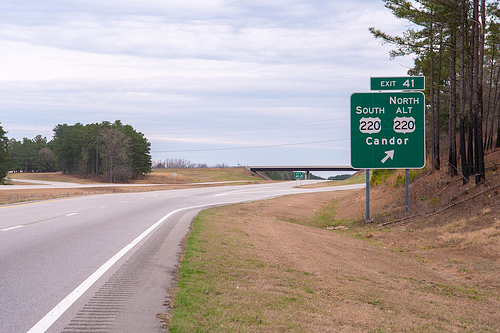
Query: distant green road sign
[[388, 130], [298, 175], [397, 83]]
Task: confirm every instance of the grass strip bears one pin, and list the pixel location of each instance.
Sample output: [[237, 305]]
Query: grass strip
[[223, 287], [210, 285]]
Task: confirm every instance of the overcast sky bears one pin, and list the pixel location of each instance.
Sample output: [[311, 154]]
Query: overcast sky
[[260, 82]]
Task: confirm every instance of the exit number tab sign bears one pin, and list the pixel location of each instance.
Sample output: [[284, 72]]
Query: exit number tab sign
[[397, 83]]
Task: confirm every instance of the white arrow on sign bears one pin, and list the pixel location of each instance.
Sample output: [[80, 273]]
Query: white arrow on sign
[[389, 154]]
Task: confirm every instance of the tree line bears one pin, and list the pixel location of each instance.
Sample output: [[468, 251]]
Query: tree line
[[5, 162], [456, 47], [112, 151], [182, 163]]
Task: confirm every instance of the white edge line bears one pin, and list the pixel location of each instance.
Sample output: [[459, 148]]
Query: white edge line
[[304, 190], [53, 315], [12, 228]]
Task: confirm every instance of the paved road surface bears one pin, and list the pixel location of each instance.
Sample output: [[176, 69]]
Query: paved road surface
[[101, 263], [43, 184]]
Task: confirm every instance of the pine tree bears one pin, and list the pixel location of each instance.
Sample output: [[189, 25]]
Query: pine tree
[[5, 160]]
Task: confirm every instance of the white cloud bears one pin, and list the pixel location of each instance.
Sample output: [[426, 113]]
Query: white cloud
[[193, 67]]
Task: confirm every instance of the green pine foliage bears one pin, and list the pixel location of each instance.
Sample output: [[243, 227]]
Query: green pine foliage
[[112, 151], [5, 160], [454, 44]]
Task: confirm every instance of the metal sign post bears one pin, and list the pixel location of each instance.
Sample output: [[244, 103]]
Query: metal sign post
[[407, 192], [367, 195]]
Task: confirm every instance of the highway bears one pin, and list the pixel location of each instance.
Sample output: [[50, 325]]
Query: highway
[[103, 263]]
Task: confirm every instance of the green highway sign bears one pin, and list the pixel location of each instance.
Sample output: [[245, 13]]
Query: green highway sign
[[298, 175], [388, 130], [397, 83]]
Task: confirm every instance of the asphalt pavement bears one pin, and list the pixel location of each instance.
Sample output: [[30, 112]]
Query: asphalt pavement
[[102, 263]]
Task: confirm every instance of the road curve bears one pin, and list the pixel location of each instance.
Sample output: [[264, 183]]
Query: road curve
[[102, 263]]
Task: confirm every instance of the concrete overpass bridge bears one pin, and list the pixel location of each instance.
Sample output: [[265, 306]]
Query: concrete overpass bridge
[[306, 169]]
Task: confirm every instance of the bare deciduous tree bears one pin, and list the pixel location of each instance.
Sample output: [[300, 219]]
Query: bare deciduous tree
[[115, 154]]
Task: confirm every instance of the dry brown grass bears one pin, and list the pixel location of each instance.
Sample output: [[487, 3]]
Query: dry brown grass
[[157, 176], [20, 195], [261, 271], [194, 175], [271, 266]]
